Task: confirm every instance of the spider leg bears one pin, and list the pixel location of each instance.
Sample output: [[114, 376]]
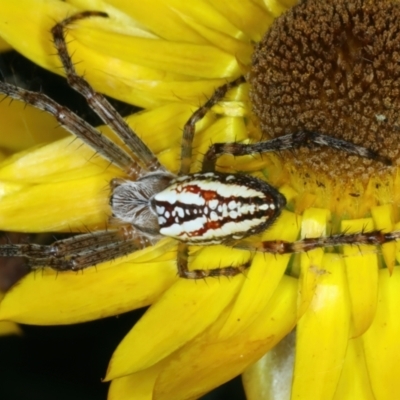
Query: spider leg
[[189, 127], [74, 124], [79, 252], [286, 142], [183, 270], [96, 100], [376, 238]]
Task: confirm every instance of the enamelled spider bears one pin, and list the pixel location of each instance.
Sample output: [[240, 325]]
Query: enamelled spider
[[204, 208]]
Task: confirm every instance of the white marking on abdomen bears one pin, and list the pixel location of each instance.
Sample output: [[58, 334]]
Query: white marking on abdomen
[[171, 196]]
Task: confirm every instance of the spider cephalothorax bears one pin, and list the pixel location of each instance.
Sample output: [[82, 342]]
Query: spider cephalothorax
[[131, 201], [203, 208]]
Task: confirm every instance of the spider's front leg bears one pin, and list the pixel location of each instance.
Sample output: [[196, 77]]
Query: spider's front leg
[[144, 160], [287, 142], [97, 101], [189, 128]]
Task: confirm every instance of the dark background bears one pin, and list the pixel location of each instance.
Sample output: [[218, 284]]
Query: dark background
[[66, 362]]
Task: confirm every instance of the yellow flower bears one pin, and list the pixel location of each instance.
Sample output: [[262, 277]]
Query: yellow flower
[[168, 57]]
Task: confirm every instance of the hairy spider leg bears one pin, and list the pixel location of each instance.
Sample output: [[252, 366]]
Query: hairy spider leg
[[184, 272], [375, 238], [78, 252], [75, 125], [287, 142], [143, 155], [189, 127]]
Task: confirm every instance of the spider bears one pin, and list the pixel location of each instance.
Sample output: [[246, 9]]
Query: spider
[[203, 208]]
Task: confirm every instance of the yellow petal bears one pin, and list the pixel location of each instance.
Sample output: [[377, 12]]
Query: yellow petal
[[26, 126], [138, 386], [313, 224], [311, 271], [362, 277], [59, 161], [74, 205], [354, 381], [209, 361], [322, 335], [196, 305], [201, 60], [277, 7], [252, 18], [109, 289], [381, 341], [263, 279], [118, 60], [160, 17], [37, 20]]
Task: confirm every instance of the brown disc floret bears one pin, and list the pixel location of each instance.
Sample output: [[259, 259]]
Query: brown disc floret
[[332, 67]]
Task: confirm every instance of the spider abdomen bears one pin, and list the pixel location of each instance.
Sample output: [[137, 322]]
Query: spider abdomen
[[214, 207]]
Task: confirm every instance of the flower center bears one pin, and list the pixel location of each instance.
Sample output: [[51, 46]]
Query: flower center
[[332, 67]]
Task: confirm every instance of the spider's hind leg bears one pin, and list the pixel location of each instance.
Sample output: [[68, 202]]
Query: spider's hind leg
[[79, 252], [375, 238]]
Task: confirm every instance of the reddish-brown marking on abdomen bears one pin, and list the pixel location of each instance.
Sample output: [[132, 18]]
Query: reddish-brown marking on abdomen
[[208, 194]]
